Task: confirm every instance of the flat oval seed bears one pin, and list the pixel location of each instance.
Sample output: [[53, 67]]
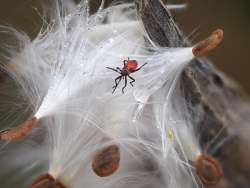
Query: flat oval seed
[[106, 161], [208, 169], [208, 44], [20, 131], [46, 181]]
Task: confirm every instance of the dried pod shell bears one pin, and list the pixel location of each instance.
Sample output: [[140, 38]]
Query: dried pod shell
[[211, 42], [208, 170], [46, 181], [106, 161], [20, 131]]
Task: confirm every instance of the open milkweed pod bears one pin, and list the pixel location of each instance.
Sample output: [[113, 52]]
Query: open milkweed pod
[[106, 161], [208, 44], [208, 169], [20, 131], [46, 181]]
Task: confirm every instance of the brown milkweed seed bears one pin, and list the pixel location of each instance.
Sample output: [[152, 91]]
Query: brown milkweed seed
[[20, 131], [208, 170], [106, 161], [211, 42], [46, 181]]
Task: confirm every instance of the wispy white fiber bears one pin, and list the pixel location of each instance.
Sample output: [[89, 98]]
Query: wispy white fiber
[[177, 6], [63, 75]]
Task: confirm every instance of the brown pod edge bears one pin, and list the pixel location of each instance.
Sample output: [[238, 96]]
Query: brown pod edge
[[208, 44], [46, 181], [20, 131], [106, 161], [208, 169]]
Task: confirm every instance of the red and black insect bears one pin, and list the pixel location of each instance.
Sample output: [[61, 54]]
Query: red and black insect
[[129, 66]]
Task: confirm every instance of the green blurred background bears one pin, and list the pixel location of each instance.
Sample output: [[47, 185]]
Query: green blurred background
[[204, 15]]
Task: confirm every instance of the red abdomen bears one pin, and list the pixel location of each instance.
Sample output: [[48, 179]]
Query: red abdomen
[[131, 65]]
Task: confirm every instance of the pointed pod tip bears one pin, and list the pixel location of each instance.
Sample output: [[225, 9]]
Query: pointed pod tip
[[208, 44], [208, 169]]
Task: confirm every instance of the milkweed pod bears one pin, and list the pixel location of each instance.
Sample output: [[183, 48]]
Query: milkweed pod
[[208, 44], [208, 169], [106, 161], [20, 131]]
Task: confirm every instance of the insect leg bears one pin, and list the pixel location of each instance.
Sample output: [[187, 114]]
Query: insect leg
[[140, 67], [125, 85], [113, 69], [117, 81], [124, 62], [133, 80], [118, 68]]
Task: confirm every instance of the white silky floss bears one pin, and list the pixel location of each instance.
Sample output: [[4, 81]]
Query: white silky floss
[[63, 72]]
